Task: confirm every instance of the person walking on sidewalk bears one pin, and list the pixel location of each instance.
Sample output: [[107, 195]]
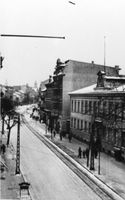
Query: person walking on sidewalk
[[60, 134], [70, 136], [79, 152], [84, 153], [54, 130], [3, 148], [57, 127], [87, 156]]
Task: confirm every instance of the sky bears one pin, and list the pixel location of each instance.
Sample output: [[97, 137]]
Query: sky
[[84, 26]]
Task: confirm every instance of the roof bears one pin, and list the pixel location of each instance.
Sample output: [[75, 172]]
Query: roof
[[94, 90], [115, 78], [88, 89]]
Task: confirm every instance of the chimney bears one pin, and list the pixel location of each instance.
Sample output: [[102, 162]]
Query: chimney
[[117, 69], [92, 62]]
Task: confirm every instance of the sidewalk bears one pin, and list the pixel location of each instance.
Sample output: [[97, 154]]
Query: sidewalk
[[112, 171], [9, 181]]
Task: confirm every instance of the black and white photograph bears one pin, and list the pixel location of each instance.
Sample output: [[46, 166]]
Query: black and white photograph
[[62, 100]]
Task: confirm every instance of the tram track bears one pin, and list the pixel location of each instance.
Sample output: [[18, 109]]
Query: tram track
[[99, 190]]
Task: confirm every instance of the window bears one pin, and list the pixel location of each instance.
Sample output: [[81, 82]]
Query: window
[[71, 122], [94, 107], [114, 136], [107, 134], [104, 108], [78, 124], [75, 107], [78, 106], [89, 127], [110, 108], [107, 107], [81, 124], [86, 111], [82, 106], [120, 111], [85, 125], [74, 122], [123, 139], [123, 111], [90, 107], [72, 106], [116, 110]]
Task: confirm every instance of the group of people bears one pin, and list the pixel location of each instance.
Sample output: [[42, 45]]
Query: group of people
[[35, 114], [53, 127], [84, 153]]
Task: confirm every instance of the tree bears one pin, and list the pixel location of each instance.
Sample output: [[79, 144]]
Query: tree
[[8, 115]]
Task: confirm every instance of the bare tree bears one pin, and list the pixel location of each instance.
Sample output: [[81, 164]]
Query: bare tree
[[8, 115]]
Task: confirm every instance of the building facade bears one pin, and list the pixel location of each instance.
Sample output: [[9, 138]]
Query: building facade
[[67, 77], [100, 110]]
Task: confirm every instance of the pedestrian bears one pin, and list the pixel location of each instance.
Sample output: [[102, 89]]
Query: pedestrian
[[87, 152], [70, 136], [79, 152], [54, 132], [96, 153], [57, 127], [87, 156], [60, 135], [84, 153], [3, 148]]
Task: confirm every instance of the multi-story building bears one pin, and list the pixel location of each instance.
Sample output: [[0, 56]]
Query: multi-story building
[[99, 110], [69, 76]]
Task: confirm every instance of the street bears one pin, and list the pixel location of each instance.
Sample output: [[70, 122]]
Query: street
[[49, 177]]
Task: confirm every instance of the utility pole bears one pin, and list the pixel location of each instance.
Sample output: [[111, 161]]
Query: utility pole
[[91, 147], [2, 125], [18, 147], [105, 54]]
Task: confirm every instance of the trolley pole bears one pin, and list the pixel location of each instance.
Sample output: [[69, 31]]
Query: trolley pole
[[18, 147]]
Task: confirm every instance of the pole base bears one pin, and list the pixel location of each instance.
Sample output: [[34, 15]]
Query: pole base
[[92, 168]]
